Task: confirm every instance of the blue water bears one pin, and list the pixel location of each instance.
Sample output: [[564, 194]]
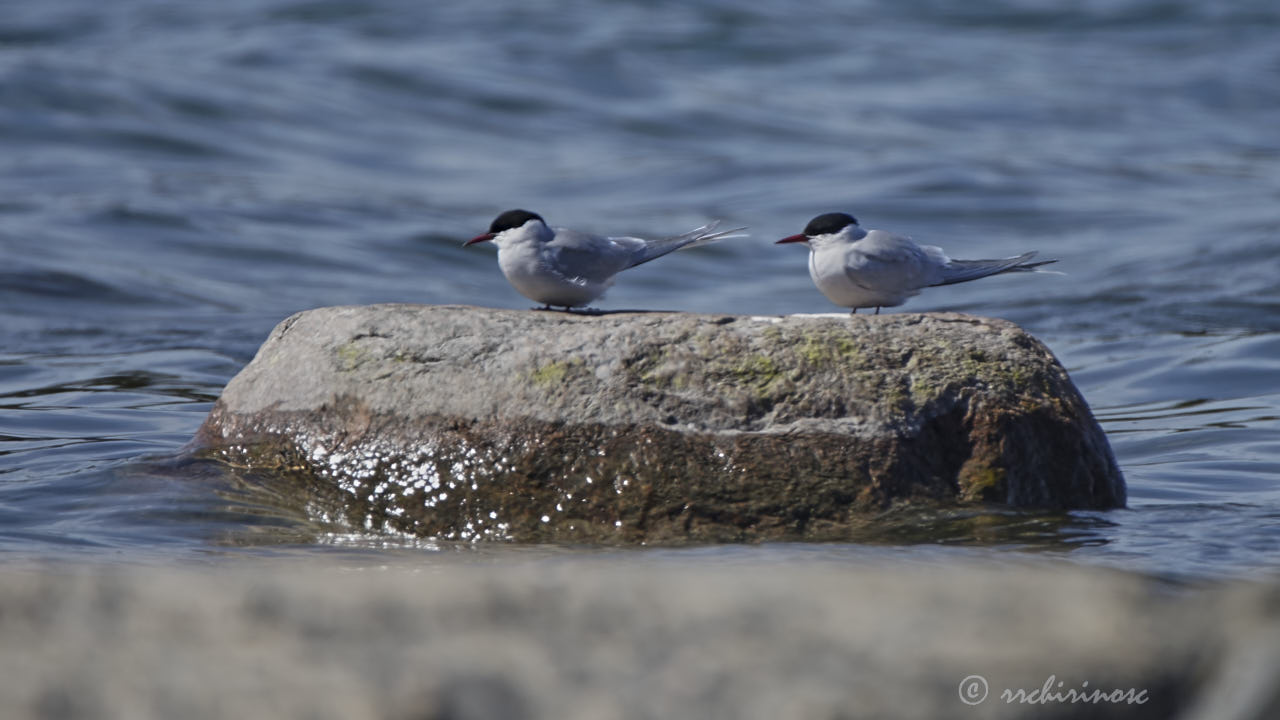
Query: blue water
[[177, 178]]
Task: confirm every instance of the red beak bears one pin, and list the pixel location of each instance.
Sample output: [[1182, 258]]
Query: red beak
[[792, 238], [478, 239]]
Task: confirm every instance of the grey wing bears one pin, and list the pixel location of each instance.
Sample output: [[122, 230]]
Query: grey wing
[[583, 256], [890, 263]]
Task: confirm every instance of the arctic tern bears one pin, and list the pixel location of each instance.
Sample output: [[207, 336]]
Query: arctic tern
[[857, 268], [568, 268]]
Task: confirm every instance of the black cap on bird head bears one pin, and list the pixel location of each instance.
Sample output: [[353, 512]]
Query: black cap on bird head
[[512, 219], [829, 223], [506, 221], [822, 225]]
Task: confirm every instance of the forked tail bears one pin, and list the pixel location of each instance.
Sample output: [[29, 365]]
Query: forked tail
[[958, 271], [699, 236]]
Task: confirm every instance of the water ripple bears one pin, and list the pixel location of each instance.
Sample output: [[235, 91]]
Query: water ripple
[[179, 177]]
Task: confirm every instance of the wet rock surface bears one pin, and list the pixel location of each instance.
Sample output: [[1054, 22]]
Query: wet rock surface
[[618, 637], [473, 423]]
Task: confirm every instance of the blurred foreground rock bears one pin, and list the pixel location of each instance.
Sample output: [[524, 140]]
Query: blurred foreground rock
[[473, 423], [614, 638]]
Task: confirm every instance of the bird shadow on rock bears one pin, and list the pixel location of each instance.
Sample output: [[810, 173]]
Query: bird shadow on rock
[[595, 312]]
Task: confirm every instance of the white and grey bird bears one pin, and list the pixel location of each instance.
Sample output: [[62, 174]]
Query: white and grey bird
[[568, 268], [857, 268]]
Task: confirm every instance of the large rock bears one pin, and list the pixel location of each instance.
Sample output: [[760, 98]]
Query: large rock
[[471, 423]]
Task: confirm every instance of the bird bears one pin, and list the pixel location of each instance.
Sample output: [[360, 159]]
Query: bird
[[570, 268], [857, 268]]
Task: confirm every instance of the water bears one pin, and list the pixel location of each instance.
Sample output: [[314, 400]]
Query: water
[[178, 178]]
